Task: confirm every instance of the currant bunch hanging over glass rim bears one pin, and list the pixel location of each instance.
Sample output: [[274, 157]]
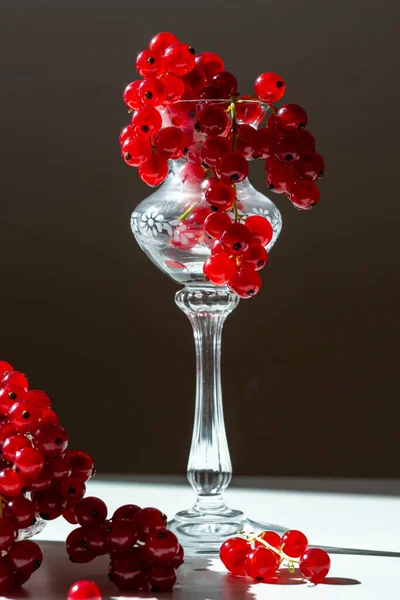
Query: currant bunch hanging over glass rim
[[187, 107]]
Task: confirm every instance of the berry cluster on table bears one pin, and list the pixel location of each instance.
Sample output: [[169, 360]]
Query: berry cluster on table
[[187, 107]]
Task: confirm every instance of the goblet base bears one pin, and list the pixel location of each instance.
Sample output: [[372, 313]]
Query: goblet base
[[202, 533]]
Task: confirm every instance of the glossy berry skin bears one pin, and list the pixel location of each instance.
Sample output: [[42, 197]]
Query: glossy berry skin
[[236, 239], [233, 554], [269, 87], [220, 196], [154, 171], [216, 223], [77, 548], [289, 149], [161, 577], [261, 564], [245, 141], [226, 81], [9, 395], [128, 572], [194, 81], [212, 121], [6, 430], [311, 167], [265, 141], [72, 490], [178, 559], [69, 516], [161, 41], [136, 150], [161, 546], [13, 444], [232, 168], [246, 283], [174, 88], [255, 257], [25, 556], [5, 367], [210, 63], [49, 504], [152, 91], [84, 590], [11, 483], [248, 112], [219, 268], [146, 121], [130, 95], [29, 462], [96, 539], [7, 535], [126, 511], [171, 143], [315, 564], [51, 439], [39, 397], [294, 543], [149, 63], [121, 535], [21, 512], [213, 149], [307, 140], [60, 468], [179, 58], [81, 464], [303, 194], [6, 575], [291, 117], [261, 229], [15, 378], [149, 520], [90, 510], [42, 481], [49, 416], [280, 177], [272, 538], [25, 416]]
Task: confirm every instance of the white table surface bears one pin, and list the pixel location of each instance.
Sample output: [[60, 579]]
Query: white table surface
[[358, 514]]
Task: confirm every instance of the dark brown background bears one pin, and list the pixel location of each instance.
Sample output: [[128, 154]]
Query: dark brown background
[[311, 364]]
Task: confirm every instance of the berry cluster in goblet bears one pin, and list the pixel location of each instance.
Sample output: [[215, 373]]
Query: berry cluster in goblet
[[187, 106]]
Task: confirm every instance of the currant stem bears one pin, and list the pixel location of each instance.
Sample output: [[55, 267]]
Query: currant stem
[[1, 505], [188, 211], [235, 210], [251, 538]]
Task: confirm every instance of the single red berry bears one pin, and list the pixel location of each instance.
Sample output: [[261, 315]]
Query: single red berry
[[15, 378], [29, 462], [51, 439], [272, 538], [178, 558], [212, 120], [294, 543], [26, 556], [90, 510], [14, 443], [161, 41], [280, 177], [121, 535], [246, 283], [9, 395], [25, 416], [183, 114], [136, 150], [72, 490], [149, 63], [217, 248], [7, 535], [269, 87], [261, 564], [192, 175], [255, 257], [154, 171], [174, 88], [77, 548], [21, 512], [126, 512], [213, 149], [291, 117], [6, 575], [128, 572], [42, 481], [146, 121], [7, 429], [171, 143], [161, 546], [315, 564], [84, 590], [289, 149], [194, 81], [232, 168], [152, 91], [39, 397], [49, 416], [60, 468], [5, 367], [236, 239], [149, 520], [81, 464], [245, 141], [214, 92], [210, 63], [216, 223], [161, 577], [307, 140], [49, 504], [179, 58], [310, 167], [303, 194], [261, 229], [225, 80], [233, 554], [219, 195], [69, 515], [249, 111], [96, 539], [130, 95], [219, 268]]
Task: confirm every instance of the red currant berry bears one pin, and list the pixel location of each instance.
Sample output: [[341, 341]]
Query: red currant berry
[[310, 167], [245, 141], [161, 577], [9, 395], [236, 239], [255, 257], [154, 171], [183, 115], [60, 468], [81, 463], [161, 41], [21, 512], [192, 174], [146, 121], [261, 564], [212, 121], [7, 535], [174, 88], [171, 143], [307, 140], [15, 378], [194, 81], [178, 558], [232, 168], [226, 81], [294, 543], [149, 520], [291, 117], [72, 490], [272, 538], [49, 504], [39, 397], [161, 546], [246, 283], [249, 111], [69, 516], [280, 177], [217, 248], [233, 554], [261, 229], [84, 590], [14, 443], [289, 149], [43, 481], [269, 87], [128, 572], [25, 556], [7, 429], [77, 548], [213, 149], [179, 58], [303, 194], [131, 97], [210, 63], [96, 539], [121, 535], [5, 367], [152, 91], [49, 416], [90, 510], [213, 92], [29, 462], [315, 564], [219, 195], [51, 439], [25, 416], [136, 150], [6, 575], [265, 142], [216, 223], [126, 512], [219, 268], [149, 63]]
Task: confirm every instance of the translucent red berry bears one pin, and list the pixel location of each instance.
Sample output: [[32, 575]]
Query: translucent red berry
[[136, 150], [25, 416], [213, 149], [9, 395], [192, 174], [42, 481], [174, 88], [245, 141], [39, 397], [269, 87], [226, 81], [49, 416], [219, 268], [15, 378], [280, 177], [5, 367], [26, 556], [236, 239], [216, 223], [152, 91], [291, 117], [84, 590], [246, 283], [29, 462], [77, 548], [154, 171], [130, 95], [146, 121], [128, 572], [171, 143], [72, 490], [210, 63], [294, 543], [261, 229], [161, 546], [315, 564], [271, 537], [7, 535], [261, 564], [249, 111], [255, 257], [49, 504], [212, 120], [310, 167], [289, 149], [233, 554], [232, 168], [51, 439], [161, 577], [178, 558], [148, 520], [21, 512], [150, 63], [161, 41], [194, 81], [14, 443], [96, 539], [307, 140], [303, 194], [90, 510], [82, 465], [126, 511], [121, 535], [179, 58], [220, 196]]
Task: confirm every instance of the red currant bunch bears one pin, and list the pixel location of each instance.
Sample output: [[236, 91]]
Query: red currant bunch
[[260, 557]]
